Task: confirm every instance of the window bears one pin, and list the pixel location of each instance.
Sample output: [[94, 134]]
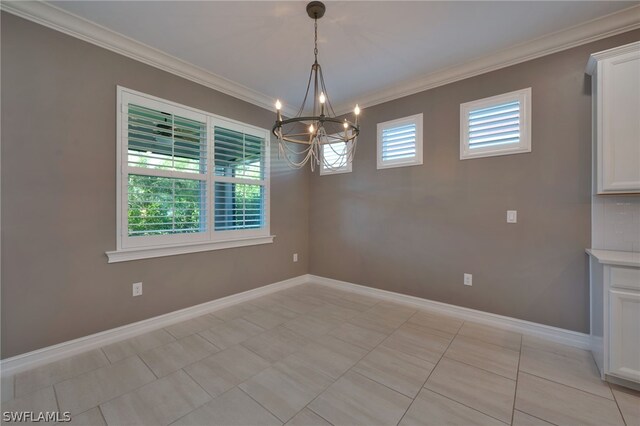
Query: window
[[400, 142], [334, 160], [187, 180], [499, 125]]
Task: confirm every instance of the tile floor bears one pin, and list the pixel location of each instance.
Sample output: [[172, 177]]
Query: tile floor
[[312, 355]]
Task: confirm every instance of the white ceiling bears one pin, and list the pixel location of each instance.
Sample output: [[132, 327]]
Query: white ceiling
[[364, 46]]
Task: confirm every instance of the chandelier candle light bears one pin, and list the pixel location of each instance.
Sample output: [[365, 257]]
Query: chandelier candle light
[[320, 131]]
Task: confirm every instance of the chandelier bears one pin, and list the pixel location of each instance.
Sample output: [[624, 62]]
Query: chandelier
[[320, 138]]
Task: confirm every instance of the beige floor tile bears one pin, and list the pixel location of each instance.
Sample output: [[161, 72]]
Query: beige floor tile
[[234, 408], [175, 355], [359, 336], [345, 302], [49, 374], [384, 317], [334, 311], [487, 356], [192, 326], [493, 335], [299, 304], [524, 419], [135, 345], [158, 403], [295, 385], [330, 355], [429, 408], [40, 401], [557, 348], [436, 321], [235, 311], [91, 417], [479, 389], [399, 371], [580, 374], [231, 332], [275, 344], [357, 400], [382, 324], [270, 317], [264, 302], [307, 417], [6, 391], [563, 405], [425, 343], [629, 402], [312, 326], [226, 369], [95, 387]]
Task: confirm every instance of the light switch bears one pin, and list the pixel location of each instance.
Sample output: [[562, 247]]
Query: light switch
[[512, 216]]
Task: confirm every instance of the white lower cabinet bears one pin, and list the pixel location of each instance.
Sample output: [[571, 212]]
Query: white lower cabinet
[[624, 331], [615, 315]]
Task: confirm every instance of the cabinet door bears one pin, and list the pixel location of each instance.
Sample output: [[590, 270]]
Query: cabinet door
[[619, 136], [624, 350]]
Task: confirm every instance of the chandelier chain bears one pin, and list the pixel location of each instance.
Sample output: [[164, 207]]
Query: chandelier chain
[[315, 40]]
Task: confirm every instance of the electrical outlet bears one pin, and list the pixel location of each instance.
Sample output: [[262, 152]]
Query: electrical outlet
[[512, 216], [295, 257], [468, 279], [137, 289]]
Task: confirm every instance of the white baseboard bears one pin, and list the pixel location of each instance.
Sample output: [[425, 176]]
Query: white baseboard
[[49, 354], [560, 335]]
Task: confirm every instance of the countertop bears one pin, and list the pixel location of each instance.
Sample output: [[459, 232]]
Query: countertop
[[611, 257]]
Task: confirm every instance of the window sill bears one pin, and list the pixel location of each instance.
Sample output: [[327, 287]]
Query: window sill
[[138, 253]]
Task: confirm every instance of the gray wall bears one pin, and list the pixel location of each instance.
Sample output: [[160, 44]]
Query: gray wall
[[416, 230], [58, 197]]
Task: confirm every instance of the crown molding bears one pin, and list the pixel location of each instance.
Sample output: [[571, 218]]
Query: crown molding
[[606, 26], [51, 16], [58, 19]]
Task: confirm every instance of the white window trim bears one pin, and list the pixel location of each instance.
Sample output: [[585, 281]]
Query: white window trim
[[347, 168], [524, 146], [416, 119], [166, 245]]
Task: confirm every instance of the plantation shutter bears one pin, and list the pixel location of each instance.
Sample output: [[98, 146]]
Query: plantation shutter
[[495, 125], [166, 172], [333, 156], [399, 142], [239, 191]]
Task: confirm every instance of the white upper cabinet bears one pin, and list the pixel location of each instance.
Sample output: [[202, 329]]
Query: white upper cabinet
[[616, 118]]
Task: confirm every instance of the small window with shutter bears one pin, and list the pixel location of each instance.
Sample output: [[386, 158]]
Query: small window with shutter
[[335, 159], [400, 142], [499, 125]]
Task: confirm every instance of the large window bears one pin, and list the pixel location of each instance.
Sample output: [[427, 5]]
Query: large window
[[188, 180], [400, 142], [498, 125]]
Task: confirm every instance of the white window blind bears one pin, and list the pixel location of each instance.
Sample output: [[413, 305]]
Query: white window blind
[[496, 126], [166, 182], [187, 177], [239, 175], [400, 142], [334, 158]]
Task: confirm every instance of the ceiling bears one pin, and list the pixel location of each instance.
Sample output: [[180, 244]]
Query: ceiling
[[364, 47]]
